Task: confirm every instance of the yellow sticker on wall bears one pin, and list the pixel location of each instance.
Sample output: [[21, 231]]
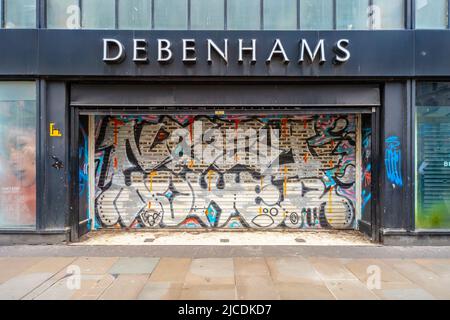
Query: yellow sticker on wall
[[53, 131]]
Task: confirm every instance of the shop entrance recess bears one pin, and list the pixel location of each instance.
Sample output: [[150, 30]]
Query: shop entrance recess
[[236, 165]]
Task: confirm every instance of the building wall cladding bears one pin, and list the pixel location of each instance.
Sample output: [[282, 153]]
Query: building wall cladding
[[144, 180], [387, 198], [395, 60]]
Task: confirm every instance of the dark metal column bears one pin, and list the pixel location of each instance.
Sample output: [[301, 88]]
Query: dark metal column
[[55, 158], [395, 180]]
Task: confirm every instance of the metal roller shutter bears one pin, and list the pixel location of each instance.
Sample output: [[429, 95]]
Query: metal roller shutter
[[145, 179]]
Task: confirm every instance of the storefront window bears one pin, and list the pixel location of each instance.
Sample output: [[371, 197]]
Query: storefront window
[[239, 14], [207, 14], [352, 14], [135, 14], [316, 14], [63, 14], [244, 15], [280, 14], [388, 14], [18, 154], [20, 13], [98, 14], [433, 156], [431, 14], [171, 14]]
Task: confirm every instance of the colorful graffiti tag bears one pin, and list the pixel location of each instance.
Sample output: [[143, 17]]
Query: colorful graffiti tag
[[148, 175], [366, 183], [393, 161]]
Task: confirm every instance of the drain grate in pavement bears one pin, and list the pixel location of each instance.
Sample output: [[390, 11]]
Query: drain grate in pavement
[[149, 240], [300, 240], [224, 240]]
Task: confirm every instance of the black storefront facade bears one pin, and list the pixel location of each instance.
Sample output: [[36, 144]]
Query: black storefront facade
[[354, 90]]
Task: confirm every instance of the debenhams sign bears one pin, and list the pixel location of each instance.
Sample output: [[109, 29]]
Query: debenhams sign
[[114, 51]]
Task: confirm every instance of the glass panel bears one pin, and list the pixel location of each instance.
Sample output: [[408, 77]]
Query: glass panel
[[316, 14], [433, 156], [280, 14], [352, 14], [244, 15], [171, 14], [63, 14], [388, 14], [18, 154], [20, 14], [431, 14], [98, 14], [207, 14], [135, 14]]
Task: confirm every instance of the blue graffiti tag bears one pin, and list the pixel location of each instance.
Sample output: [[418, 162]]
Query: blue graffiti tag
[[393, 161], [366, 197]]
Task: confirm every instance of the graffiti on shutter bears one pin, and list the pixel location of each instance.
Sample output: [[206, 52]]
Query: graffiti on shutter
[[146, 179]]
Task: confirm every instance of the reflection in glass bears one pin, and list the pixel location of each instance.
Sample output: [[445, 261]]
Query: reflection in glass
[[433, 156], [135, 14], [280, 14], [63, 14], [98, 14], [20, 13], [244, 15], [388, 14], [431, 14], [316, 14], [17, 154], [207, 14], [171, 14], [352, 14]]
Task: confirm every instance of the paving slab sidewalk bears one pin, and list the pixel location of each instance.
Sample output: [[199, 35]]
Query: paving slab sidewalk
[[224, 272], [230, 278]]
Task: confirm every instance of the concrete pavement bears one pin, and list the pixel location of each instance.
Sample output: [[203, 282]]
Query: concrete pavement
[[68, 272]]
